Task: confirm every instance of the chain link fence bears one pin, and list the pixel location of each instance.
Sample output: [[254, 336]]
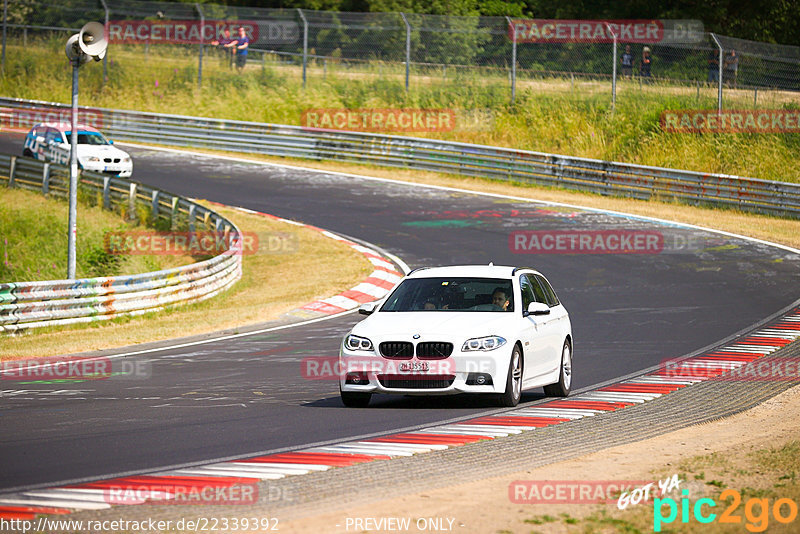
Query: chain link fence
[[417, 49]]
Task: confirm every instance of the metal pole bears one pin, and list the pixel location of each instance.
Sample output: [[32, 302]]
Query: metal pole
[[408, 47], [614, 76], [5, 23], [73, 175], [305, 44], [202, 39], [105, 57], [513, 59], [613, 68], [719, 74]]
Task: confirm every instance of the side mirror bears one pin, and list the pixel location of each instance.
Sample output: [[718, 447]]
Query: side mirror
[[110, 141], [366, 309], [537, 308]]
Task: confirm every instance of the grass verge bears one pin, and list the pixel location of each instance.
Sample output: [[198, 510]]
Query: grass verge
[[33, 241], [753, 490], [271, 284], [549, 115]]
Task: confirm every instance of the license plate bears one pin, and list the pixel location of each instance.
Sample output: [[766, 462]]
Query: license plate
[[414, 366]]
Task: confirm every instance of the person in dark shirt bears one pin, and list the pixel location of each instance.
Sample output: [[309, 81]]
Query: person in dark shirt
[[713, 66], [731, 68], [223, 43], [240, 45], [500, 299], [644, 68], [627, 62], [225, 39]]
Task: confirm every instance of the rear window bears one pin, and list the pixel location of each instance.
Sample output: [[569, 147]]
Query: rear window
[[451, 294]]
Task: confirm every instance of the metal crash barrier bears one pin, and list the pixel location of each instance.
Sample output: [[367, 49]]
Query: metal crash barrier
[[583, 174], [26, 305]]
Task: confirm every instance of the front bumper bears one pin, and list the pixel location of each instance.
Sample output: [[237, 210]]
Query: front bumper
[[112, 169], [448, 376]]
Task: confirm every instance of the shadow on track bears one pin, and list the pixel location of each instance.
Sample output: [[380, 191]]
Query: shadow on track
[[432, 402]]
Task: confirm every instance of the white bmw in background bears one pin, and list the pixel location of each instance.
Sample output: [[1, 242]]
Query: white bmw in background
[[460, 329], [51, 142]]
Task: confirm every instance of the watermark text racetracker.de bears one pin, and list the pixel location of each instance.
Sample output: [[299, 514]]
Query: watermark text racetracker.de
[[642, 31], [608, 242], [569, 491], [66, 368], [23, 119], [163, 31], [772, 370], [333, 368], [145, 242], [190, 493], [621, 492], [380, 119], [731, 121]]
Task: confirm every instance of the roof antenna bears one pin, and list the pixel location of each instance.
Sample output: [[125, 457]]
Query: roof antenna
[[491, 264]]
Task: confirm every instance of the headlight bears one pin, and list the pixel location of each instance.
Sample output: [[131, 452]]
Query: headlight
[[357, 343], [126, 159], [92, 159], [483, 343]]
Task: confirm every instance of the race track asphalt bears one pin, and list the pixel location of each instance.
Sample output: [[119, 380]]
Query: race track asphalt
[[243, 396]]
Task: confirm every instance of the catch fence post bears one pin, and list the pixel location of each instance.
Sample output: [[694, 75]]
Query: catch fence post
[[719, 73], [202, 39], [513, 59], [408, 47], [305, 44]]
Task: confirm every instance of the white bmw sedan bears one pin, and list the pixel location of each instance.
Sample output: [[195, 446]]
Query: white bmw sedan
[[460, 329], [51, 142]]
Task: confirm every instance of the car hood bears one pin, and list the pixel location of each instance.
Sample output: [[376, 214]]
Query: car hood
[[101, 151], [433, 323]]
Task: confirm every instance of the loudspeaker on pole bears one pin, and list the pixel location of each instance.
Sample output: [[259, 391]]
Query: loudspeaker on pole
[[92, 40]]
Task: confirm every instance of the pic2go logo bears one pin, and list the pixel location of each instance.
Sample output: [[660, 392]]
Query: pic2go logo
[[756, 511]]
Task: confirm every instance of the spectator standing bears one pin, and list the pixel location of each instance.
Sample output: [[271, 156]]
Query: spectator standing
[[223, 43], [731, 68], [240, 45], [627, 62], [644, 68], [713, 66]]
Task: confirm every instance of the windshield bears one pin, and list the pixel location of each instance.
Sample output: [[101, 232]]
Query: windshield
[[451, 294], [88, 138]]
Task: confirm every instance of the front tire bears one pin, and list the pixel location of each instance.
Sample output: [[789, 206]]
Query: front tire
[[513, 380], [27, 153], [564, 384], [355, 399]]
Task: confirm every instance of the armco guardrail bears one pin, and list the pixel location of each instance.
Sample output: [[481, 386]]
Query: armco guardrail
[[605, 177], [33, 304]]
